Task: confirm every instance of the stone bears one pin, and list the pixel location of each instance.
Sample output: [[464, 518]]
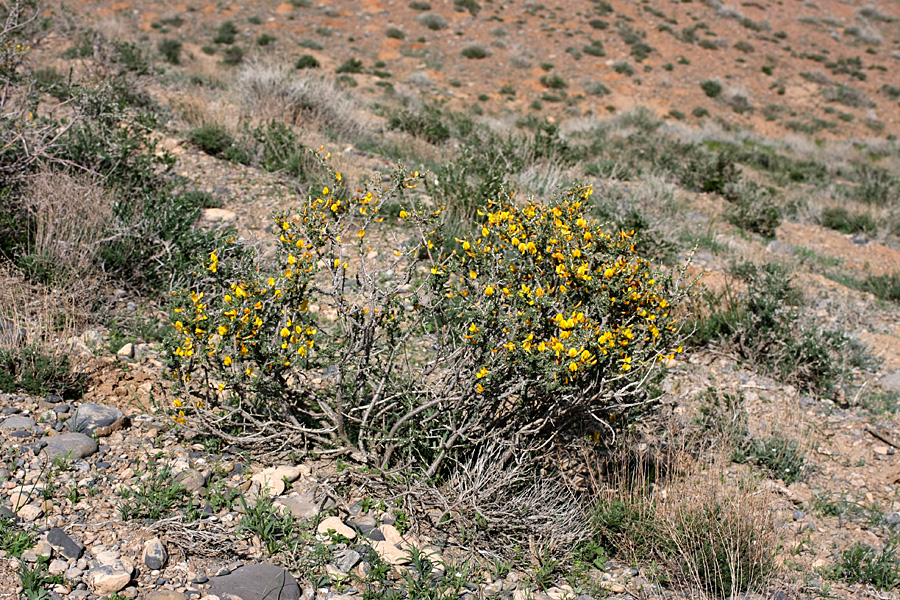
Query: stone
[[892, 519], [17, 422], [40, 550], [336, 525], [259, 582], [346, 560], [58, 567], [780, 248], [155, 555], [109, 579], [390, 553], [89, 418], [217, 215], [126, 351], [164, 595], [272, 479], [73, 574], [73, 445], [64, 544], [300, 508], [192, 479], [891, 381], [30, 512], [799, 515]]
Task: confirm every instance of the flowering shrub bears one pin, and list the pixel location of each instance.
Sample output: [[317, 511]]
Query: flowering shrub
[[364, 335], [560, 320]]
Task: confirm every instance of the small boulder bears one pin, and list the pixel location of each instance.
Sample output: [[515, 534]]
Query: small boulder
[[73, 445], [271, 480], [90, 417], [259, 582], [193, 480], [64, 544], [30, 512], [109, 579], [336, 525], [217, 215], [155, 555], [17, 422], [126, 351], [165, 595]]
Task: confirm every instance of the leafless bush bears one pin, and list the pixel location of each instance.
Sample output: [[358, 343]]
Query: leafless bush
[[500, 496], [271, 92], [69, 215]]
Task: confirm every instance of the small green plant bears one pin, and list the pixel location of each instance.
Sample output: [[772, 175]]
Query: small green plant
[[711, 88], [476, 52], [34, 580], [394, 33], [265, 39], [623, 68], [307, 61], [433, 21], [840, 219], [226, 33], [276, 530], [233, 55], [470, 6], [420, 5], [886, 287], [554, 82], [351, 65], [13, 540], [864, 564], [31, 370], [170, 50], [777, 453], [154, 497]]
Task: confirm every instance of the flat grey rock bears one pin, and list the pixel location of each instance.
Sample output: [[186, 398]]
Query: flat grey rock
[[257, 582], [63, 544], [89, 418], [17, 422], [75, 445], [891, 381]]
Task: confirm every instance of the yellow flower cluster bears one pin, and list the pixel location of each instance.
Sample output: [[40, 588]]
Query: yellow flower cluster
[[543, 288]]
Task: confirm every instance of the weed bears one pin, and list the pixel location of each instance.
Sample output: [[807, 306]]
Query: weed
[[170, 50], [307, 61], [476, 52], [34, 580], [351, 65], [777, 453], [265, 39], [864, 564], [433, 21], [226, 33], [154, 497], [33, 371], [711, 88], [14, 541], [394, 33], [840, 219], [276, 530], [886, 287], [233, 55]]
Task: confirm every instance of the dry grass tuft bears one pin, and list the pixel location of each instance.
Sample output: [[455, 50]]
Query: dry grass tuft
[[270, 92]]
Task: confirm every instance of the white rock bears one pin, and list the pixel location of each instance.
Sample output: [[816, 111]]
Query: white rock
[[272, 479], [217, 215], [58, 567], [30, 512], [108, 579], [126, 351], [335, 524]]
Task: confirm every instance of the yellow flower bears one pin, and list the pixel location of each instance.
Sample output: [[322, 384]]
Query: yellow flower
[[479, 388], [473, 274], [403, 214], [361, 233], [488, 291], [573, 367], [473, 328], [222, 330], [285, 332], [227, 361], [483, 372]]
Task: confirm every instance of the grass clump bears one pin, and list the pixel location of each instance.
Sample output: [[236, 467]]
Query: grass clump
[[765, 325], [840, 219], [711, 88], [476, 52], [886, 287], [170, 50], [34, 371], [779, 454], [226, 33], [276, 529], [394, 33], [351, 65], [155, 496], [864, 564], [217, 141], [307, 61], [700, 535]]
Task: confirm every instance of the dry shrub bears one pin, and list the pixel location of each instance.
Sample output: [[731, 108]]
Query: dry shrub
[[499, 500], [69, 216], [271, 92], [711, 535]]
